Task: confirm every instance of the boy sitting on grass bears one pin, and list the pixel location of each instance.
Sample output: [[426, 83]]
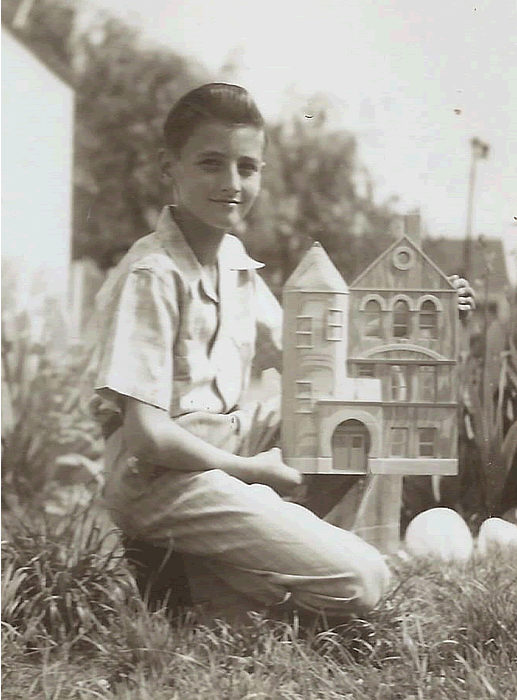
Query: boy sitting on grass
[[187, 467]]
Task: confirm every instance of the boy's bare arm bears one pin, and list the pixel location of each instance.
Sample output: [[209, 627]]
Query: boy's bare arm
[[153, 437]]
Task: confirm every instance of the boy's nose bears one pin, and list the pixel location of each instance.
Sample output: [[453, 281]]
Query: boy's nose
[[231, 181]]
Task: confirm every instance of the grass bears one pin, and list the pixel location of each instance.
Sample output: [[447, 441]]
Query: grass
[[74, 628]]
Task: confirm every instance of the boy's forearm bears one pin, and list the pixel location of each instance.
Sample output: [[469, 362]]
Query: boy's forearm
[[165, 443]]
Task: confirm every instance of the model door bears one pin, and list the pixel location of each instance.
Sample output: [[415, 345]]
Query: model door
[[349, 447]]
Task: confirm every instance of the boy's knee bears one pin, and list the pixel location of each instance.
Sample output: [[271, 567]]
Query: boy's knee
[[356, 589], [374, 578]]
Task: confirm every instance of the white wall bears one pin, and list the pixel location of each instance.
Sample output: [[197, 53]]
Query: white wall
[[37, 139]]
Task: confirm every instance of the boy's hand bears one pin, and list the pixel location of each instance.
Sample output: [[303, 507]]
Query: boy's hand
[[466, 300], [269, 469]]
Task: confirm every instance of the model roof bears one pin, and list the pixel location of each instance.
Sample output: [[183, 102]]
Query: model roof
[[316, 272], [369, 275]]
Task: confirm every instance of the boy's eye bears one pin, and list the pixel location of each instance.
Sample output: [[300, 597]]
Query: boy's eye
[[211, 163], [248, 168]]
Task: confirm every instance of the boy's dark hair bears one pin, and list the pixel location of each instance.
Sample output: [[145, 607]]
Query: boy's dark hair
[[221, 102]]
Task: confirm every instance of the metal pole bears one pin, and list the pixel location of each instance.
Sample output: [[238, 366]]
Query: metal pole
[[478, 150], [467, 251]]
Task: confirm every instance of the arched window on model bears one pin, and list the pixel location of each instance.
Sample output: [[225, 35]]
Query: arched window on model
[[401, 319], [372, 314], [428, 320]]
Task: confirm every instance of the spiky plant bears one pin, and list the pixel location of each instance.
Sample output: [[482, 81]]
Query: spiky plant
[[491, 406], [40, 424], [62, 578]]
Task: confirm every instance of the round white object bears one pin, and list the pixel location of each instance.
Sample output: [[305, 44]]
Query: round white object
[[496, 532], [439, 533]]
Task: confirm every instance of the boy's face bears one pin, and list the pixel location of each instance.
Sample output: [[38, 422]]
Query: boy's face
[[217, 176]]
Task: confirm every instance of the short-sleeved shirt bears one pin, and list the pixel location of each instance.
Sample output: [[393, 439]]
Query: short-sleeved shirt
[[169, 338]]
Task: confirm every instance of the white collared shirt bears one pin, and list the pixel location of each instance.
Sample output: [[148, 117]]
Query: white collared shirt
[[167, 338]]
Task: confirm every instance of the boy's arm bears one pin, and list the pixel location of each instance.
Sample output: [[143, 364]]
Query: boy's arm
[[269, 329], [153, 437]]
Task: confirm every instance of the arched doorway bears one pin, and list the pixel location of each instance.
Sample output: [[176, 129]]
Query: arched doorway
[[350, 447]]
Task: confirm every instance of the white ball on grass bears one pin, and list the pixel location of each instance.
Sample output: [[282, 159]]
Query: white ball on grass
[[440, 533], [496, 533]]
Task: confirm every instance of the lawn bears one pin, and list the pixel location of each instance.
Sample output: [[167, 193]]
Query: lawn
[[74, 628]]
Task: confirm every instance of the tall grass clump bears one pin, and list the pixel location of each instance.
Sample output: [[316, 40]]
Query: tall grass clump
[[490, 408], [62, 578], [42, 418], [444, 632]]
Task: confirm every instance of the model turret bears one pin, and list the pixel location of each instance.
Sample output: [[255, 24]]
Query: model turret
[[315, 339]]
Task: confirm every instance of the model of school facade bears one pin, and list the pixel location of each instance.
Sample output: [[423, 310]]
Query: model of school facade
[[369, 372]]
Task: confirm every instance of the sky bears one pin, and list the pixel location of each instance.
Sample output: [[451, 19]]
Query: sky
[[415, 82]]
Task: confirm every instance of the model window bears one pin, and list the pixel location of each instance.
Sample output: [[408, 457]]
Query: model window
[[426, 383], [399, 383], [403, 258], [372, 312], [428, 320], [401, 319], [334, 324], [303, 397], [399, 442], [304, 332], [426, 442], [364, 370]]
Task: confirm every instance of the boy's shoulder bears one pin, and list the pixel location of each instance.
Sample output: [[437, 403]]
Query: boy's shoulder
[[149, 253]]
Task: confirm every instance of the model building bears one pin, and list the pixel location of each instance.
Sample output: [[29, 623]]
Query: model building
[[369, 371]]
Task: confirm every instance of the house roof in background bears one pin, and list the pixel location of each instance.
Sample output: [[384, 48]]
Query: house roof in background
[[54, 65], [448, 254]]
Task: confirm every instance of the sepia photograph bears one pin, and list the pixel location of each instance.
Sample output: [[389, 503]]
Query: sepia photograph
[[259, 350]]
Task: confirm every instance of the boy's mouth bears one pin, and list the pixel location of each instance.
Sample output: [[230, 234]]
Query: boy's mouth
[[226, 201]]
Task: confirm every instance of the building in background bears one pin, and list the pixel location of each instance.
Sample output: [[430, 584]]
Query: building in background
[[489, 276], [37, 131]]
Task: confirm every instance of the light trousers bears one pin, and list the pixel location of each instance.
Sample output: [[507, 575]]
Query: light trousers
[[260, 545]]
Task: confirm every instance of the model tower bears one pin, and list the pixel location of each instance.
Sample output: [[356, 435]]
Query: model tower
[[315, 341]]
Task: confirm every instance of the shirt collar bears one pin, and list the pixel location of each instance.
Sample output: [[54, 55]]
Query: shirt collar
[[231, 254]]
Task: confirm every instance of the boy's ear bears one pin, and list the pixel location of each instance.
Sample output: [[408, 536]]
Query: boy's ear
[[166, 160]]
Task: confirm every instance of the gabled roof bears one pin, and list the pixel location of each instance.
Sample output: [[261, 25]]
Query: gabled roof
[[53, 64], [408, 242], [449, 255], [316, 272]]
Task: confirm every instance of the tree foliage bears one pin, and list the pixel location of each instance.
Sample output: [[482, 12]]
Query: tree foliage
[[124, 91], [314, 186], [316, 190]]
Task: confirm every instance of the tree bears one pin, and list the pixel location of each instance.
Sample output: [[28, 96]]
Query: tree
[[124, 92], [314, 185], [124, 89], [315, 189]]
